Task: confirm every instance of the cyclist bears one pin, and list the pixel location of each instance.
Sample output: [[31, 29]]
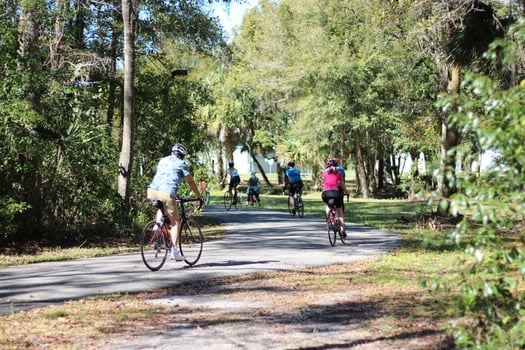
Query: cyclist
[[253, 185], [171, 171], [343, 174], [235, 180], [295, 182], [333, 184]]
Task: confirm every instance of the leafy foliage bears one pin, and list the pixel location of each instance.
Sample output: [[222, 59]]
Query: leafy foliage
[[493, 204]]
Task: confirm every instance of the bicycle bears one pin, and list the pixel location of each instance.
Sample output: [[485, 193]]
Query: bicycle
[[334, 224], [156, 240], [298, 207], [232, 200], [251, 197]]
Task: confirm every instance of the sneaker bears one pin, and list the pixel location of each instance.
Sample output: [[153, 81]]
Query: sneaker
[[176, 255], [343, 234]]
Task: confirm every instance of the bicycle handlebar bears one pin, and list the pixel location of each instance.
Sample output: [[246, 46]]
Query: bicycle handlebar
[[185, 200]]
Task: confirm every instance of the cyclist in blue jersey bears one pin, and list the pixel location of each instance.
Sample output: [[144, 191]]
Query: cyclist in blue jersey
[[296, 183], [171, 171], [235, 179]]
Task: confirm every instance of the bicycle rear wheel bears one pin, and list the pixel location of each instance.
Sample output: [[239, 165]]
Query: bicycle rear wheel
[[191, 241], [227, 200], [300, 207], [331, 233], [153, 246], [238, 201]]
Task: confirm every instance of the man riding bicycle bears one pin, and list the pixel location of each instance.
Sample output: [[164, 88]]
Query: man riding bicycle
[[235, 179], [295, 182], [171, 171]]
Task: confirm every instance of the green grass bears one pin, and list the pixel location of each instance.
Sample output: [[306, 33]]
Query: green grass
[[372, 212]]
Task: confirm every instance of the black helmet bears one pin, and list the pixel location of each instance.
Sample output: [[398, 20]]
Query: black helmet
[[230, 164], [291, 163], [332, 162], [179, 150]]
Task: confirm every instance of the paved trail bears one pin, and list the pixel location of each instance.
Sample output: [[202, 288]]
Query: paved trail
[[256, 240]]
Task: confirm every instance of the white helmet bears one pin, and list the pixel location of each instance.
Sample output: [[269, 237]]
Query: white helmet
[[179, 149]]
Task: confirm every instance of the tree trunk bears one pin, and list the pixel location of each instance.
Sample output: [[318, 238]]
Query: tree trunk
[[128, 114], [259, 166], [450, 138], [362, 181]]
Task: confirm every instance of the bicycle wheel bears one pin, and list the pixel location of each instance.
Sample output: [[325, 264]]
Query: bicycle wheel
[[153, 246], [238, 201], [341, 237], [331, 234], [227, 201], [300, 207], [190, 241]]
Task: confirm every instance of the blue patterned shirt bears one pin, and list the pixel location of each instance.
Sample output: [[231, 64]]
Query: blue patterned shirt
[[170, 173]]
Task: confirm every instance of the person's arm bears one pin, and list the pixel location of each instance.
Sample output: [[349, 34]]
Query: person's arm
[[343, 183], [193, 186]]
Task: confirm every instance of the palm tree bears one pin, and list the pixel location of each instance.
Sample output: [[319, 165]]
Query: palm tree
[[467, 38]]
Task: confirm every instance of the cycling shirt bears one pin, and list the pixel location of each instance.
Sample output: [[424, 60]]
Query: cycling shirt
[[331, 181], [294, 175], [253, 181], [233, 172], [170, 173]]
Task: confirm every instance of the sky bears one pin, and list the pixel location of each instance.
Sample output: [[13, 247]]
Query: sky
[[230, 15]]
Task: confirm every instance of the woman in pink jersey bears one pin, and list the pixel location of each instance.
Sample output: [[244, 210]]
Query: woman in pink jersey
[[333, 184]]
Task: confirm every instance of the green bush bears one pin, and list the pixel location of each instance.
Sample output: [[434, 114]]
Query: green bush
[[493, 204]]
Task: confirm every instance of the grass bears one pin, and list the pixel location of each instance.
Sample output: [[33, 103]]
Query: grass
[[383, 295]]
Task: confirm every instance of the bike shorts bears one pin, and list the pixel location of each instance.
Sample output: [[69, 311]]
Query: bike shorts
[[234, 181], [170, 203], [254, 189], [295, 187], [332, 197]]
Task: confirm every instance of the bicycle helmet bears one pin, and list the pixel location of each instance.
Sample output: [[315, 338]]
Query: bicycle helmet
[[230, 164], [332, 162], [291, 163], [179, 150]]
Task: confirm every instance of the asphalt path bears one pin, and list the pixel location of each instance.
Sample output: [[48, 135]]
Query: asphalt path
[[256, 240]]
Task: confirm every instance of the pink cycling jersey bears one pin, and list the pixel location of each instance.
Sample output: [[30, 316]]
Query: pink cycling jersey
[[331, 181]]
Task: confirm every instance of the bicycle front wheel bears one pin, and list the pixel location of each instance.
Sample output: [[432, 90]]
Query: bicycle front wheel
[[191, 241], [153, 246], [300, 207], [227, 200]]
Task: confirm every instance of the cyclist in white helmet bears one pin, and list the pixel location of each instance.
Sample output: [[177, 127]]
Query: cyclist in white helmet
[[171, 171]]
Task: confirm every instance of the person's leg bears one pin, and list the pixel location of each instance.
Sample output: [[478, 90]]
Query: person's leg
[[173, 213], [290, 196]]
